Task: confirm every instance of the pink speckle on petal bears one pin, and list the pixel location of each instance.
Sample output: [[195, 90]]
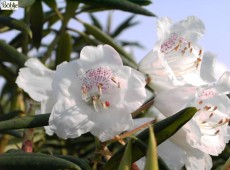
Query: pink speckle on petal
[[208, 93]]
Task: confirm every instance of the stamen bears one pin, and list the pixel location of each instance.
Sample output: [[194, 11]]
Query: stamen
[[95, 103], [191, 50], [215, 108], [177, 47], [197, 62], [217, 132], [200, 102], [206, 108], [113, 79], [210, 115], [223, 121], [100, 88], [84, 93], [200, 52], [107, 103]]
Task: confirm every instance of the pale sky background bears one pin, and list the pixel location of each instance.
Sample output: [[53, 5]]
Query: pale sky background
[[214, 14]]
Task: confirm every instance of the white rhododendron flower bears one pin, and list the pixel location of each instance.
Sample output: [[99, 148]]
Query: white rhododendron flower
[[175, 151], [176, 58], [95, 93], [208, 130], [36, 80]]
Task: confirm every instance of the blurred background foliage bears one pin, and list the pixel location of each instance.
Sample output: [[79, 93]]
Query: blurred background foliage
[[49, 30]]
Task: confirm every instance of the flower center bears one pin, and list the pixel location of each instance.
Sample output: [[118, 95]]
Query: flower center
[[97, 83], [175, 46], [209, 118]]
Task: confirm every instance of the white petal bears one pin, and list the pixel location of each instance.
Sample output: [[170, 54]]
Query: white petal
[[140, 121], [163, 28], [68, 121], [195, 159], [191, 29], [173, 155], [141, 163], [100, 54], [171, 101], [47, 105], [65, 82], [35, 79], [111, 123], [223, 84], [134, 95], [207, 67], [161, 75], [48, 130]]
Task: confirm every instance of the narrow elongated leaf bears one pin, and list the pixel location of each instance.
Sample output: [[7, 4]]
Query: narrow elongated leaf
[[71, 7], [7, 73], [123, 5], [10, 115], [15, 24], [12, 54], [163, 130], [53, 5], [141, 2], [35, 161], [226, 165], [124, 25], [64, 48], [126, 158], [25, 122], [95, 21], [151, 160], [25, 3], [103, 37], [36, 22], [83, 164]]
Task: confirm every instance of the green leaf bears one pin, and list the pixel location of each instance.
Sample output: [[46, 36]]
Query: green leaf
[[125, 163], [226, 165], [12, 54], [25, 3], [53, 5], [16, 42], [71, 7], [10, 115], [25, 122], [123, 5], [124, 25], [64, 48], [141, 2], [7, 73], [151, 158], [83, 164], [162, 164], [35, 161], [36, 22], [95, 21], [15, 24], [103, 37], [163, 130]]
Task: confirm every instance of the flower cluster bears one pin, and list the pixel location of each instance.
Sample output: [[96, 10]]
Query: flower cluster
[[180, 79], [97, 94]]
